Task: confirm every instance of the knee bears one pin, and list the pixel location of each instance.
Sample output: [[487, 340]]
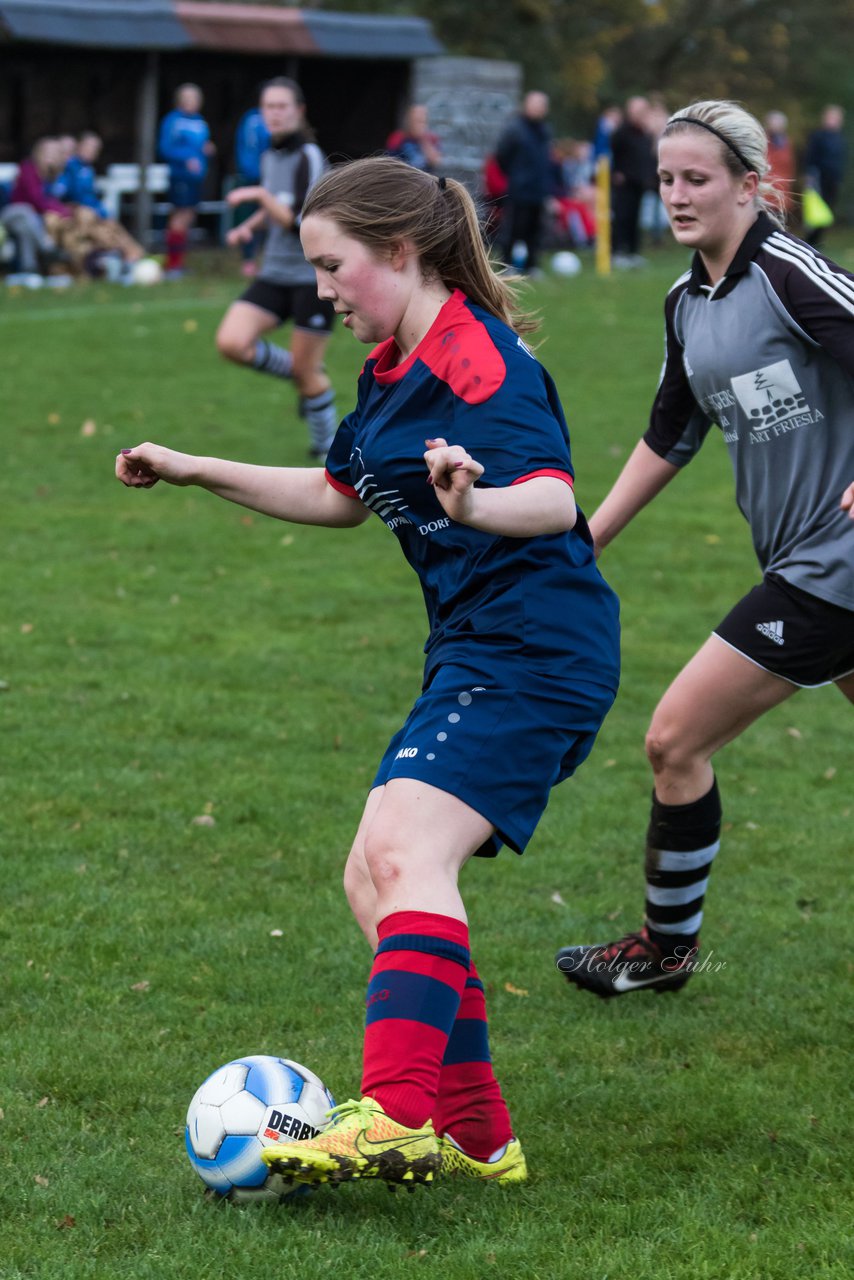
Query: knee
[[383, 860], [233, 347], [666, 747]]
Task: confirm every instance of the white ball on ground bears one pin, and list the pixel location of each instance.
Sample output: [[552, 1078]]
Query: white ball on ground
[[566, 263], [147, 271]]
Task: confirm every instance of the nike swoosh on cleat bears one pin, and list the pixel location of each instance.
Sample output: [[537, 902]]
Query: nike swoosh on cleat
[[623, 982], [373, 1146]]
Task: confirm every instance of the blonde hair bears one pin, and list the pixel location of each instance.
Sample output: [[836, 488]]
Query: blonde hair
[[381, 201], [743, 145]]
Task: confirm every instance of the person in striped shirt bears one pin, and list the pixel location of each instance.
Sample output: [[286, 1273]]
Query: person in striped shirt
[[759, 337]]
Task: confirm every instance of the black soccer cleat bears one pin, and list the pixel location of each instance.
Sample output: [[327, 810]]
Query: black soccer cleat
[[633, 963]]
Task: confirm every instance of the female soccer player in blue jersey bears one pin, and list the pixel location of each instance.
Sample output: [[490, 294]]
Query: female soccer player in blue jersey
[[760, 342], [459, 445]]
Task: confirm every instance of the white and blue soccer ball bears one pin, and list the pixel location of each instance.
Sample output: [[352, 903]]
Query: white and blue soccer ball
[[243, 1108]]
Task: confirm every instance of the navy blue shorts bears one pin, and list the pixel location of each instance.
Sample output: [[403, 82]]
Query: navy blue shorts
[[186, 192], [499, 741]]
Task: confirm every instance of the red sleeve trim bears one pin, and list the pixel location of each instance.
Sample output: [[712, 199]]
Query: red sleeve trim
[[547, 471], [346, 489]]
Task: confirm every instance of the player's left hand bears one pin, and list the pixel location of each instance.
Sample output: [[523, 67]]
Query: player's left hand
[[847, 503], [452, 473]]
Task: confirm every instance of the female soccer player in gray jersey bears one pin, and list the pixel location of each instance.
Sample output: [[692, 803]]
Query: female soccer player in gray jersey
[[760, 343], [285, 288]]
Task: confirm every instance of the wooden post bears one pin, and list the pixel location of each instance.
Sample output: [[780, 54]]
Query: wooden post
[[146, 142]]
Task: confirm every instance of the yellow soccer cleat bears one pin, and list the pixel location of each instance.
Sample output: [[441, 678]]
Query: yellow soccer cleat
[[507, 1166], [361, 1141]]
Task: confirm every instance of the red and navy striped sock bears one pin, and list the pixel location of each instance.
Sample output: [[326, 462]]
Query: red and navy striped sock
[[417, 979], [470, 1106], [176, 248]]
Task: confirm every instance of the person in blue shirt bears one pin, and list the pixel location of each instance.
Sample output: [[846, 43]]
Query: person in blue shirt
[[184, 143], [251, 140], [76, 183], [459, 445]]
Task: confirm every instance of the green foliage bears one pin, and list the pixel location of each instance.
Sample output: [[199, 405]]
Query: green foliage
[[167, 657], [794, 56]]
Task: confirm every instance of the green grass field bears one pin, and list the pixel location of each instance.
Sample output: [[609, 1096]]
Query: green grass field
[[165, 657]]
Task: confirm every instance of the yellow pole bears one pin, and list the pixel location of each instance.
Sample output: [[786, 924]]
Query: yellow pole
[[603, 216]]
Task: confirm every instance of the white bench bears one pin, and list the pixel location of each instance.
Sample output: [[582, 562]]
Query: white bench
[[123, 180]]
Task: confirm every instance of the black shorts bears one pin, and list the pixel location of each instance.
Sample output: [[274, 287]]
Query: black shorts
[[297, 302], [792, 634]]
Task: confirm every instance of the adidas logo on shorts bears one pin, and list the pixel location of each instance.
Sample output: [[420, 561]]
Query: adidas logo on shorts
[[773, 630]]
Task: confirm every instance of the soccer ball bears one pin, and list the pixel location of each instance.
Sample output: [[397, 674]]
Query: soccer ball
[[242, 1108], [566, 263], [147, 271]]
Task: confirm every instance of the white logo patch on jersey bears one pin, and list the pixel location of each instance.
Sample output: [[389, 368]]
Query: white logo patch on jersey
[[770, 395]]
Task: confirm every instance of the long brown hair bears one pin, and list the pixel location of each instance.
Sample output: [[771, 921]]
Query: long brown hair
[[383, 202]]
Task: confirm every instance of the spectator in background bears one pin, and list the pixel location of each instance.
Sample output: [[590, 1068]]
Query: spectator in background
[[524, 154], [185, 144], [250, 142], [653, 215], [493, 198], [781, 157], [30, 204], [94, 242], [631, 164], [414, 143], [825, 160], [610, 118], [576, 191], [76, 183]]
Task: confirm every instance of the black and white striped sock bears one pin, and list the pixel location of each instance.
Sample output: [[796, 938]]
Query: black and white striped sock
[[269, 358], [681, 845], [322, 418]]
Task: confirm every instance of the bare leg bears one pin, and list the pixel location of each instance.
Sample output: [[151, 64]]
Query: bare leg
[[308, 373], [240, 328], [712, 700]]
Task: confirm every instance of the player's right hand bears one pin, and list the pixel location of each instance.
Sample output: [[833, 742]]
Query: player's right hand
[[238, 235], [145, 464]]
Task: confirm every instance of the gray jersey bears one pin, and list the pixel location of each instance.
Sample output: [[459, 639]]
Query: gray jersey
[[289, 172], [767, 356]]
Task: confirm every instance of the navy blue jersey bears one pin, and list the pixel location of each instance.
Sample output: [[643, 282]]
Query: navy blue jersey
[[540, 601], [184, 136]]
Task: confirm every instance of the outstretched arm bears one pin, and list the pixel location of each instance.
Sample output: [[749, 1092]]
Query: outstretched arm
[[641, 479], [847, 503], [298, 494], [543, 504]]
